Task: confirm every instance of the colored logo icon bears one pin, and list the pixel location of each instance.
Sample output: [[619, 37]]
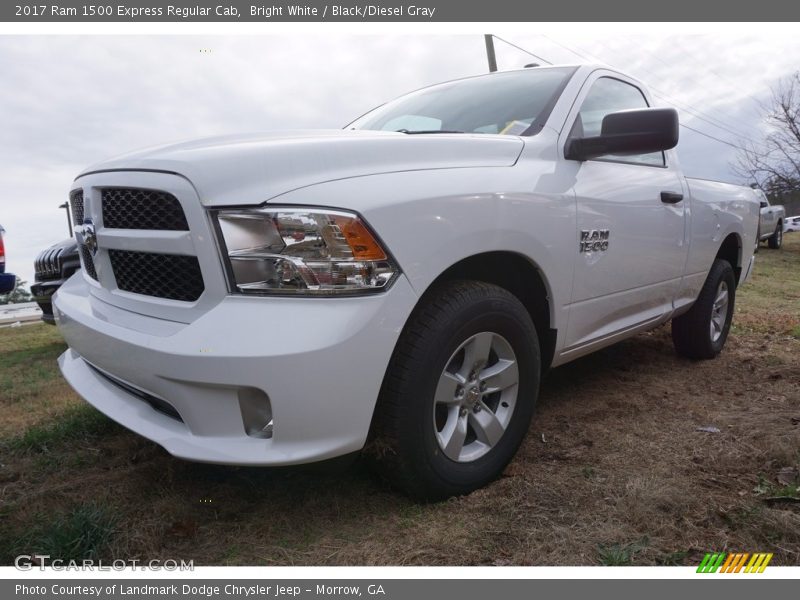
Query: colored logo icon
[[734, 562]]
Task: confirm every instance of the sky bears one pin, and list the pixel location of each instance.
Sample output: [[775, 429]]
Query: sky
[[69, 101]]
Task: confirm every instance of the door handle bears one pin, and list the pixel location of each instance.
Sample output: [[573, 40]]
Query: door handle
[[671, 197]]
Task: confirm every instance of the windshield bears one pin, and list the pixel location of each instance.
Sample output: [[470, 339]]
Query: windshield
[[514, 103]]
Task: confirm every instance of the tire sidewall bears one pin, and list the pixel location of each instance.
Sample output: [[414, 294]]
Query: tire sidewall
[[723, 273], [497, 315], [776, 239]]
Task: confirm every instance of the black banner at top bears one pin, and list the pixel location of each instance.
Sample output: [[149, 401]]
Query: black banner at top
[[143, 11]]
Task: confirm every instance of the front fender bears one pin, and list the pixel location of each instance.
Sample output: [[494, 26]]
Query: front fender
[[430, 220]]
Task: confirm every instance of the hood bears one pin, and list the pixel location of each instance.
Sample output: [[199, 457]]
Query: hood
[[67, 246], [254, 168]]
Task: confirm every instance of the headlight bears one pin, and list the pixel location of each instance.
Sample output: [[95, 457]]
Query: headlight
[[309, 251]]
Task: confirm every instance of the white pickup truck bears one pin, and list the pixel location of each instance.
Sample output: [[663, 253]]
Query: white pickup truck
[[771, 226], [401, 284]]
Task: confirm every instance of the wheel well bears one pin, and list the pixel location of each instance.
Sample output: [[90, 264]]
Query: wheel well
[[519, 276], [731, 250]]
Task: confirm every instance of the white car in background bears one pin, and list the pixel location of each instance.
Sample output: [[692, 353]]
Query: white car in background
[[791, 224]]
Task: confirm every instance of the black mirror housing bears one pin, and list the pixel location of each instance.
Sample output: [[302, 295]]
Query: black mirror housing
[[629, 132]]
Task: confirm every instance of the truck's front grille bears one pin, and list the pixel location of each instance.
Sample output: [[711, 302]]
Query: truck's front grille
[[171, 276], [76, 204], [88, 262], [48, 264], [166, 273], [131, 208]]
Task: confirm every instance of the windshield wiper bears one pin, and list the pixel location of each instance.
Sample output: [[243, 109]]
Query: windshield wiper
[[416, 131]]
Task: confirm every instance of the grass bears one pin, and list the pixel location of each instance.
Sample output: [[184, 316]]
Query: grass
[[673, 559], [777, 490], [76, 424], [613, 472], [620, 555], [84, 532], [772, 300], [29, 377]]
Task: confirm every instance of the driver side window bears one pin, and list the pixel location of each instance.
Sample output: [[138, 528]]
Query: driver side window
[[608, 95]]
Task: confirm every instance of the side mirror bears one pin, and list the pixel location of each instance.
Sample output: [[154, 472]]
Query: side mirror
[[764, 204], [629, 132]]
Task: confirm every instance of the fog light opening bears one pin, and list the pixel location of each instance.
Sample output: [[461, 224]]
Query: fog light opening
[[264, 432], [256, 413]]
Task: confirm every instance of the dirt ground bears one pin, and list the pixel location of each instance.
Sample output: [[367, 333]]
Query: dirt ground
[[615, 470]]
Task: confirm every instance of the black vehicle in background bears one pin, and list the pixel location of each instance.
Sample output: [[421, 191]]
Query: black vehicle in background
[[53, 267]]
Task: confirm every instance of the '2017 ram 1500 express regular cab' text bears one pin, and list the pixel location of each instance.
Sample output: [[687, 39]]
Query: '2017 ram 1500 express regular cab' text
[[285, 298]]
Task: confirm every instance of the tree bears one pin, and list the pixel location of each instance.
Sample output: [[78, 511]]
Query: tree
[[774, 163], [20, 294]]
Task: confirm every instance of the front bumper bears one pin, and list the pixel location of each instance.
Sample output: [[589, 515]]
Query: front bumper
[[42, 292], [8, 281], [320, 361], [747, 272]]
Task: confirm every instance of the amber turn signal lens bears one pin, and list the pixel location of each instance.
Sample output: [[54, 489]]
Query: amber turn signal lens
[[360, 240]]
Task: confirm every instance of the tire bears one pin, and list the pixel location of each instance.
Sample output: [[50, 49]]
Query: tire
[[701, 332], [428, 440], [776, 239]]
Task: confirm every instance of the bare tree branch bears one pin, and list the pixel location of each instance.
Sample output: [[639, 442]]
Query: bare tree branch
[[774, 163]]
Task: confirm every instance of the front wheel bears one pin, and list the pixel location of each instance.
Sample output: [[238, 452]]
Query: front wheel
[[776, 239], [459, 392], [701, 332]]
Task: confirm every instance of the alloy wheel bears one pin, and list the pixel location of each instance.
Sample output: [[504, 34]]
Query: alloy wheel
[[475, 397]]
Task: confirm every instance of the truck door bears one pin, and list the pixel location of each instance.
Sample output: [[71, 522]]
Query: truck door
[[768, 224], [630, 248]]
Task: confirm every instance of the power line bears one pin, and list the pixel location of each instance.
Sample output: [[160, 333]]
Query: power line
[[721, 141], [660, 95], [693, 110], [696, 114], [521, 49], [666, 99], [720, 77], [567, 48]]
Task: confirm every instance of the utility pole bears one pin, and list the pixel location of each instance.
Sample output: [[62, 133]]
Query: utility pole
[[65, 206], [489, 39]]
